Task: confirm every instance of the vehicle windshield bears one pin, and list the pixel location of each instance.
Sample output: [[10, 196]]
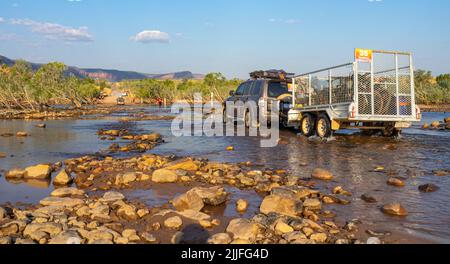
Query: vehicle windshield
[[276, 89]]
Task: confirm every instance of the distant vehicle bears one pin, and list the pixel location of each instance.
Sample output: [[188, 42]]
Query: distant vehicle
[[120, 101], [265, 88], [374, 93]]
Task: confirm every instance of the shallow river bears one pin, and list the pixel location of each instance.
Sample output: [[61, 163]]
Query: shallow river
[[352, 158]]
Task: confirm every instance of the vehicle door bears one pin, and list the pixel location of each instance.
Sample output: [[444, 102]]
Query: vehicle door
[[275, 89], [243, 98]]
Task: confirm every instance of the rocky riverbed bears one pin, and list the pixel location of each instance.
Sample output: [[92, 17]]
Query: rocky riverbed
[[141, 187]]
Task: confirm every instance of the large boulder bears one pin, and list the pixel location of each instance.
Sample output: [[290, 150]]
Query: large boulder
[[281, 205], [52, 229], [220, 239], [63, 178], [111, 197], [188, 201], [41, 172], [164, 176], [15, 174], [67, 238], [243, 229]]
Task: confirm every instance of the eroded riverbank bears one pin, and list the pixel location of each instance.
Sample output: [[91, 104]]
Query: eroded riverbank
[[352, 160]]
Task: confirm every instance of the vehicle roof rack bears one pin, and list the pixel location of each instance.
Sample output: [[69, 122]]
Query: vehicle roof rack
[[272, 74]]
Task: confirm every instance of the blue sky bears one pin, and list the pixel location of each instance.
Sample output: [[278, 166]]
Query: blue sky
[[233, 37]]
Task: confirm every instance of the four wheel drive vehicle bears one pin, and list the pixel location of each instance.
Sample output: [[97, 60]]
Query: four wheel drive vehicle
[[120, 101], [374, 93], [264, 89]]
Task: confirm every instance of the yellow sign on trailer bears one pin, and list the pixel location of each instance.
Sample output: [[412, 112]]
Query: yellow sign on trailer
[[363, 55]]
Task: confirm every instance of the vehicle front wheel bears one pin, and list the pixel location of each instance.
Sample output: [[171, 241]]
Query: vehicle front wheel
[[307, 125], [323, 127]]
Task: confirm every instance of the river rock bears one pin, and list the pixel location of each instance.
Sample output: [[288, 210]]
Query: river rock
[[41, 126], [126, 178], [243, 229], [164, 176], [283, 228], [395, 209], [63, 178], [52, 229], [5, 241], [15, 174], [66, 238], [241, 205], [220, 239], [173, 222], [447, 120], [373, 241], [2, 155], [67, 192], [57, 201], [22, 134], [183, 164], [396, 182], [321, 174], [111, 197], [188, 201], [126, 211], [312, 204], [211, 196], [195, 215], [428, 188], [425, 126], [3, 214], [40, 172], [435, 124], [150, 137], [280, 205], [319, 237], [368, 198]]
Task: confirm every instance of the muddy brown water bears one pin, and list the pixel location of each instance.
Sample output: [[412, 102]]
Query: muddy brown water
[[351, 157]]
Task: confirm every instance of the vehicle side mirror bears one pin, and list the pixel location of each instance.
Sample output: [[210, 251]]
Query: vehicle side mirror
[[232, 93]]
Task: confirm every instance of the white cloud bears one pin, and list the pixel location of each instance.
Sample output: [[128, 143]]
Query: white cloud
[[72, 1], [375, 1], [286, 21], [151, 36], [2, 19], [56, 31]]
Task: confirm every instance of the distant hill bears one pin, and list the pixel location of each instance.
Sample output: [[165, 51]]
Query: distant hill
[[115, 75]]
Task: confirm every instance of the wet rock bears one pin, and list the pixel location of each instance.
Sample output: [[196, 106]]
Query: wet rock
[[368, 198], [57, 201], [378, 233], [211, 196], [321, 174], [396, 182], [441, 173], [428, 188], [394, 209], [15, 174], [150, 137], [425, 126], [99, 236], [184, 164], [435, 124], [230, 148], [280, 205], [177, 238], [41, 125], [126, 178], [63, 178], [41, 172], [9, 229], [5, 241], [113, 133], [241, 205], [205, 224], [340, 190], [21, 241], [164, 176], [2, 155], [220, 239], [243, 229], [188, 201], [131, 235], [447, 120], [22, 134], [67, 192], [111, 197], [173, 223], [126, 211]]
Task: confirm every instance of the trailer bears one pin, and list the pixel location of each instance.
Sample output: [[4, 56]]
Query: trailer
[[374, 93]]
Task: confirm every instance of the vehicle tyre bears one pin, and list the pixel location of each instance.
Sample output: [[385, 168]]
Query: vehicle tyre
[[391, 132], [307, 126], [323, 126]]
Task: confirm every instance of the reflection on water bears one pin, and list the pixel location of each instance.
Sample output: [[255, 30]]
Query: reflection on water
[[351, 158]]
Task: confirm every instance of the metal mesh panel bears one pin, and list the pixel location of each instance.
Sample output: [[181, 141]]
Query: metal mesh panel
[[365, 104], [342, 85], [385, 99], [302, 90], [320, 88]]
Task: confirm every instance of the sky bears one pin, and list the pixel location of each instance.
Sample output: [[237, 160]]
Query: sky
[[234, 37]]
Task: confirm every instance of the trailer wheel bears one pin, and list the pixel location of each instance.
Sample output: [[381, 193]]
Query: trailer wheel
[[308, 125], [323, 126]]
